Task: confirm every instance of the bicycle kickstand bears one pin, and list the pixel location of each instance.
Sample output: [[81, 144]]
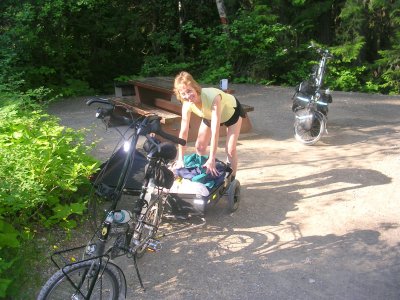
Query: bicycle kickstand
[[137, 272]]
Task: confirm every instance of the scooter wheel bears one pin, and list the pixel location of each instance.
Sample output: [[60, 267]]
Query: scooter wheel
[[233, 195]]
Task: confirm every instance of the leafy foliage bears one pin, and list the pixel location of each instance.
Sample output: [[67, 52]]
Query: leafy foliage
[[52, 42], [79, 47], [390, 58], [33, 156], [43, 168], [368, 37], [244, 51]]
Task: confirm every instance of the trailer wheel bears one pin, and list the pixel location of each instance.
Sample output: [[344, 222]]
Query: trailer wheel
[[233, 195]]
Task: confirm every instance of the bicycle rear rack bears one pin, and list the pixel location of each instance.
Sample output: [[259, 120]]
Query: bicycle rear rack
[[68, 258]]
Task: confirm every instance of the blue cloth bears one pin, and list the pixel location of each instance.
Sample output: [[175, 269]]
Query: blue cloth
[[194, 171], [188, 173], [194, 160]]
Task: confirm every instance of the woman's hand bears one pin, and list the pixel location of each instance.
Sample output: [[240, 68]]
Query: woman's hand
[[211, 167]]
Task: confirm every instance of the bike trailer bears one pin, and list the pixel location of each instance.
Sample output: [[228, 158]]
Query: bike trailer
[[193, 203], [193, 198]]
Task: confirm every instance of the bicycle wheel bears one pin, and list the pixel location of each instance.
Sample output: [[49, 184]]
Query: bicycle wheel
[[309, 136], [60, 286], [149, 225]]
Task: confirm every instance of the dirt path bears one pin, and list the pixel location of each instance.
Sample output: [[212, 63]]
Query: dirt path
[[319, 222]]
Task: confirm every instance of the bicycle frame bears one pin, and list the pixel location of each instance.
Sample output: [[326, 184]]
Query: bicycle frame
[[118, 191], [320, 74], [96, 258], [140, 129]]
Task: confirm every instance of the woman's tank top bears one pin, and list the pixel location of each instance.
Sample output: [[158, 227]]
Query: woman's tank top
[[228, 104]]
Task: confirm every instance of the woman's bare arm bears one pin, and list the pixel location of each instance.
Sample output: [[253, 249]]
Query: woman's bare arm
[[215, 125], [184, 132]]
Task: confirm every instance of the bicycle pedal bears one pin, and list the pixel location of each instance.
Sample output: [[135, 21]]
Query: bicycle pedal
[[153, 245]]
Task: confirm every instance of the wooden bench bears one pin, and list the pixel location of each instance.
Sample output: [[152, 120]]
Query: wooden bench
[[130, 103], [123, 89], [155, 95]]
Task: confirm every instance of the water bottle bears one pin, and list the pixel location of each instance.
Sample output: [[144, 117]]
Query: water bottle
[[122, 216]]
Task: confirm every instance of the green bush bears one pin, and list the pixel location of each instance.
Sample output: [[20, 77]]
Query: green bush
[[251, 49], [43, 168], [159, 65]]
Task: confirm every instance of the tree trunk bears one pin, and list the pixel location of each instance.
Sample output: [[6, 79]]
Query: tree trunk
[[182, 49], [222, 11]]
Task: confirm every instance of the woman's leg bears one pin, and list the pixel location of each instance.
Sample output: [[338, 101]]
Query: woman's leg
[[232, 136], [203, 139]]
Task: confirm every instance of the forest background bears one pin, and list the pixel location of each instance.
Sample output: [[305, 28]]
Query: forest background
[[75, 46], [62, 48]]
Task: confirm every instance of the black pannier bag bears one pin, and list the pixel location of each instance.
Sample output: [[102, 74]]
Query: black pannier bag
[[303, 91], [306, 88], [298, 103], [325, 98], [110, 170]]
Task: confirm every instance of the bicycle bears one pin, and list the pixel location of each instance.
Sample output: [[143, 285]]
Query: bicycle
[[95, 276], [310, 103], [129, 232]]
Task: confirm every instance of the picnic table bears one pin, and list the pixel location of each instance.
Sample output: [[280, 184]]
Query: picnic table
[[155, 95]]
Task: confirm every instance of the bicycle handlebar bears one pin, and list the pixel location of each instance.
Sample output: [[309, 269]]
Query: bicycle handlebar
[[172, 138], [154, 126], [324, 52], [98, 100]]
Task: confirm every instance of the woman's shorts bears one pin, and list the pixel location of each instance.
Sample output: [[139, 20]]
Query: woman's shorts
[[239, 112]]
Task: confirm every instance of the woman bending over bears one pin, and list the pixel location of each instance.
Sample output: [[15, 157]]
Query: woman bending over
[[216, 108]]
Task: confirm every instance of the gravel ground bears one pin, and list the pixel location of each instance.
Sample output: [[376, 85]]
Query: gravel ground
[[314, 222]]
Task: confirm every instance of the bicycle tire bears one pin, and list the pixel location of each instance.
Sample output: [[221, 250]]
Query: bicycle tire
[[233, 196], [150, 221], [58, 287], [313, 135]]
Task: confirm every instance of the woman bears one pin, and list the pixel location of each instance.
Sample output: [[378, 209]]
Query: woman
[[216, 108]]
